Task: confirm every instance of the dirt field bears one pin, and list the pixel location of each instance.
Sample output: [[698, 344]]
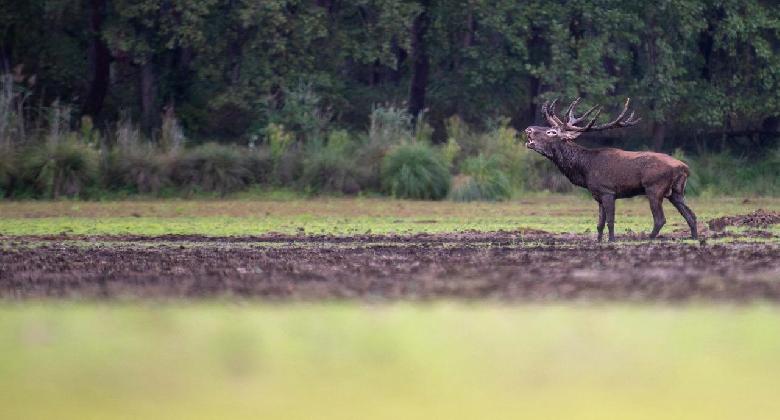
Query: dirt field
[[532, 266]]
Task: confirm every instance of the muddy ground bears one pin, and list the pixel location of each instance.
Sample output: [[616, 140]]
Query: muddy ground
[[513, 266]]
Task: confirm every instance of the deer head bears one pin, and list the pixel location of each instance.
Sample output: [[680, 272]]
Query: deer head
[[540, 138]]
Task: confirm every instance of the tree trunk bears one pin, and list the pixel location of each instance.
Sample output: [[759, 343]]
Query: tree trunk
[[99, 62], [6, 45], [771, 123], [659, 135], [420, 64], [148, 90]]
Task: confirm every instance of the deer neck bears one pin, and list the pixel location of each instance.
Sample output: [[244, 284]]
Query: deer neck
[[572, 160]]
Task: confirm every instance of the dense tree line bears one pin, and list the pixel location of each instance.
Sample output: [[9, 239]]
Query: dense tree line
[[701, 71]]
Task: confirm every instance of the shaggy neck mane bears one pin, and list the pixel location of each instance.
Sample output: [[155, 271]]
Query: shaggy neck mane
[[571, 159]]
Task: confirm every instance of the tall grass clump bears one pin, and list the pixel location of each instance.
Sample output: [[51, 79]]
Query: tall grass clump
[[13, 98], [63, 164], [66, 167], [415, 170], [136, 164], [331, 167], [481, 179], [390, 125], [212, 167]]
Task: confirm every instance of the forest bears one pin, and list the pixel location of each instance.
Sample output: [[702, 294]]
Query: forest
[[415, 99]]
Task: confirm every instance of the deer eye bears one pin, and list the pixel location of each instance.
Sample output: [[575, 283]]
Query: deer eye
[[552, 132]]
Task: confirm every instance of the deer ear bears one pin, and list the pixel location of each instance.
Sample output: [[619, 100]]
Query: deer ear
[[569, 135]]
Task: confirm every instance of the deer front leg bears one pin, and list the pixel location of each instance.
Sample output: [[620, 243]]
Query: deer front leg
[[608, 203], [602, 220]]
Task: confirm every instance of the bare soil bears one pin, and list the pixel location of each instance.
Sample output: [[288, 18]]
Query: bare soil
[[758, 218], [512, 266]]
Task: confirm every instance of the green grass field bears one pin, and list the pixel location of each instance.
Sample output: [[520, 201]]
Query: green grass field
[[442, 360], [555, 214]]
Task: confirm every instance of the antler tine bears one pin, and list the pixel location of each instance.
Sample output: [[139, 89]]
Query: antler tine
[[548, 109], [620, 121], [570, 112], [593, 120], [631, 120], [572, 120], [576, 120], [554, 114]]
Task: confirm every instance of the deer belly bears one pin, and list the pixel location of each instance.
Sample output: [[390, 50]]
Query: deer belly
[[630, 192]]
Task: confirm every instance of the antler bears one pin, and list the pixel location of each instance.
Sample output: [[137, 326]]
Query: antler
[[621, 121], [571, 122], [549, 113]]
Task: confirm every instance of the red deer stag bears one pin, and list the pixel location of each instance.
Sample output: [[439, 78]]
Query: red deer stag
[[608, 173]]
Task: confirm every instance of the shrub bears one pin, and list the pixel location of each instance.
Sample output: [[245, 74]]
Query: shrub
[[301, 110], [7, 169], [481, 179], [137, 164], [390, 125], [415, 171], [260, 164], [212, 167], [726, 174], [144, 169], [330, 167], [64, 167]]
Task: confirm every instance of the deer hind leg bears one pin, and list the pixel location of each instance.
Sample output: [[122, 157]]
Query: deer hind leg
[[602, 221], [678, 201], [656, 206]]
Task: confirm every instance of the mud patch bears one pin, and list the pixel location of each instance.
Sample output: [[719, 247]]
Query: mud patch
[[506, 266], [759, 218]]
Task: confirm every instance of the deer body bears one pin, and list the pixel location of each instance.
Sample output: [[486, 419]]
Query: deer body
[[611, 174]]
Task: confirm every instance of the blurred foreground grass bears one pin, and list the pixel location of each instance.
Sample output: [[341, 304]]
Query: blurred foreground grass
[[574, 213], [443, 361]]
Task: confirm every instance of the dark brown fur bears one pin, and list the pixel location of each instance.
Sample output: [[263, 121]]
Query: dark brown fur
[[610, 174]]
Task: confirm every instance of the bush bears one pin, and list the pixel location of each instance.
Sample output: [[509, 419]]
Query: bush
[[300, 110], [213, 168], [415, 171], [725, 174], [61, 168], [143, 169], [7, 169], [260, 164], [331, 167], [481, 179]]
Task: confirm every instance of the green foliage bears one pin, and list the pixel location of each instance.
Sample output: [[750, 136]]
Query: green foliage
[[450, 151], [415, 170], [8, 160], [212, 167], [483, 180], [142, 169], [61, 168], [279, 140], [301, 111], [331, 167], [233, 68], [724, 174]]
